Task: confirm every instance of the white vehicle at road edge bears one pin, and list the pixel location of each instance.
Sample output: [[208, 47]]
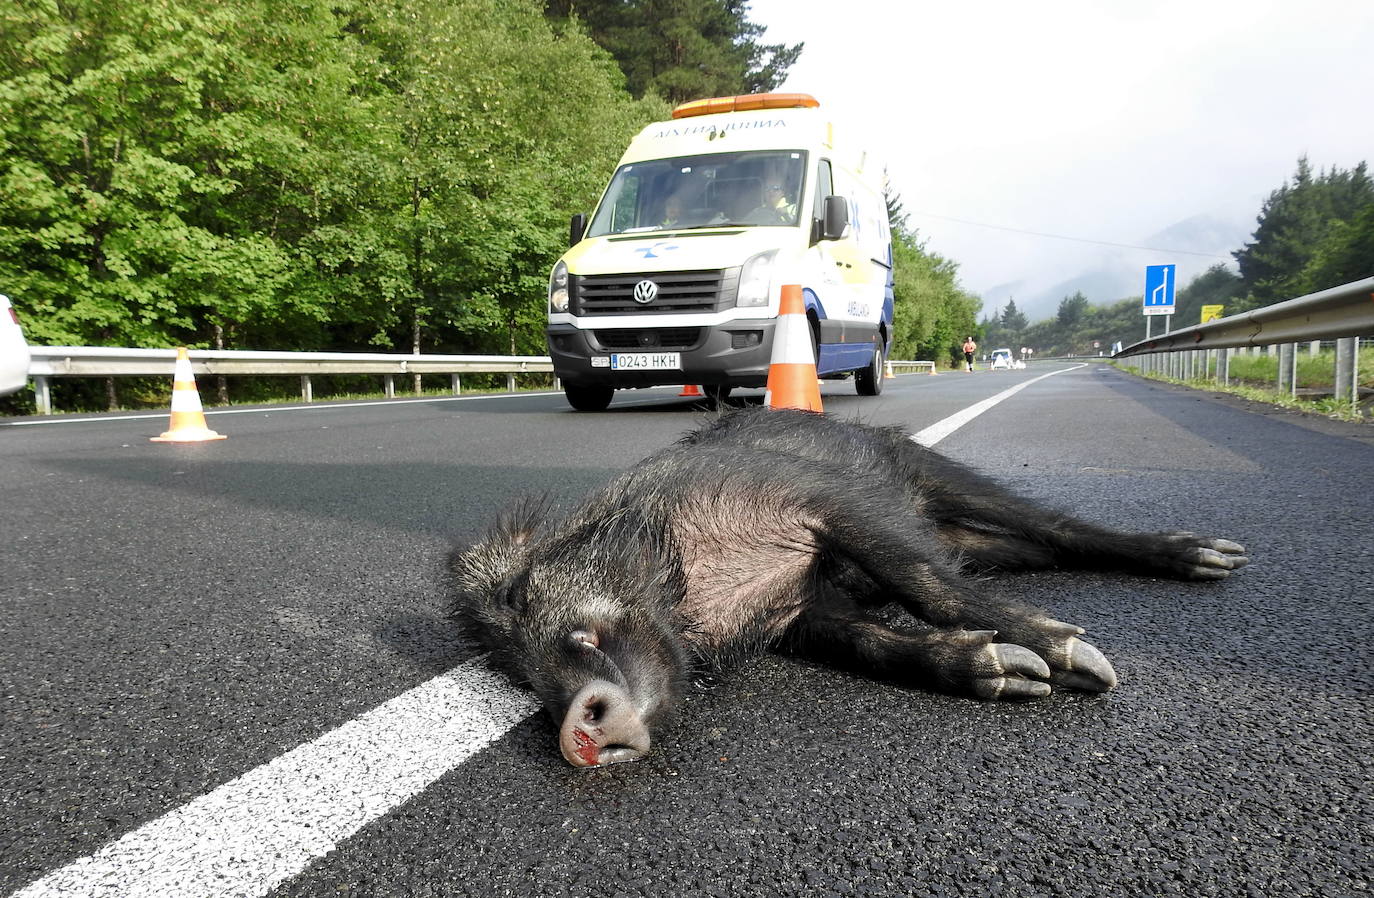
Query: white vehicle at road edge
[[14, 350]]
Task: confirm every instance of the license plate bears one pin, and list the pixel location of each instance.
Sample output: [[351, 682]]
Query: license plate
[[646, 361]]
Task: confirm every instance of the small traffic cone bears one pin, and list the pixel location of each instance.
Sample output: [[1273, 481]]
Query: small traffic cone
[[934, 368], [887, 374], [691, 390], [188, 418], [792, 381]]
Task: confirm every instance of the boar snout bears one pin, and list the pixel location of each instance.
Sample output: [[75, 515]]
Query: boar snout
[[602, 726]]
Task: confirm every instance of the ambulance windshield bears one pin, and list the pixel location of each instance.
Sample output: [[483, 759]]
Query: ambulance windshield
[[762, 188]]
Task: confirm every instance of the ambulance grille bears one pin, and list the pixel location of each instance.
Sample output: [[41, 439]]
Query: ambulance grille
[[678, 292], [649, 338]]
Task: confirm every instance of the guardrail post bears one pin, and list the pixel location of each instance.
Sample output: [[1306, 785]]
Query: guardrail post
[[1287, 377], [42, 396], [1314, 348], [1346, 350], [389, 386], [456, 383], [307, 391], [1224, 366], [510, 383]]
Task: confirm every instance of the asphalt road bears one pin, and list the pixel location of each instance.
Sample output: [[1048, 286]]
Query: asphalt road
[[177, 617]]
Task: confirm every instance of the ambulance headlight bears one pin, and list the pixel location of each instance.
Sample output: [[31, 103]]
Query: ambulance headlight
[[756, 280], [558, 288]]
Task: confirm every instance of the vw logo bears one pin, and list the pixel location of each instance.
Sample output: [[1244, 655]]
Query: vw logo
[[645, 292]]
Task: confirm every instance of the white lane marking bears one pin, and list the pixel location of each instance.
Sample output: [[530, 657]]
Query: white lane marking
[[257, 831], [323, 407], [941, 429], [254, 833]]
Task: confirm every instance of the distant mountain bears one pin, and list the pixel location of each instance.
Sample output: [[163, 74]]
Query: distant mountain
[[1123, 273]]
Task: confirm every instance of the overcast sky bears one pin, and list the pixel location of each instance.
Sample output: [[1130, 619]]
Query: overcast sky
[[1102, 120]]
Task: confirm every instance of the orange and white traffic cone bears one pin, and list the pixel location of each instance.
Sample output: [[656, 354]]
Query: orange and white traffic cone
[[188, 418], [888, 375], [691, 390], [792, 381]]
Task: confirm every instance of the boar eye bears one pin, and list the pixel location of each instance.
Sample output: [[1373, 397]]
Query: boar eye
[[512, 592], [584, 638]]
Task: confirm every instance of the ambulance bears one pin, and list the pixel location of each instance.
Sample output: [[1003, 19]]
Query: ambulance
[[676, 276]]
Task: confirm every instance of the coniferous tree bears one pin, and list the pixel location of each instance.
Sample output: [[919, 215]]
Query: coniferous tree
[[1013, 319], [1299, 227], [682, 49]]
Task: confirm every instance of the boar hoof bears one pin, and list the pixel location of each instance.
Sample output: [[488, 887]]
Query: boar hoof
[[1014, 665], [1085, 668], [1209, 559], [602, 727]]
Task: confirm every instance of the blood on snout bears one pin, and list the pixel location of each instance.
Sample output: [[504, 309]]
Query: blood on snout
[[587, 749]]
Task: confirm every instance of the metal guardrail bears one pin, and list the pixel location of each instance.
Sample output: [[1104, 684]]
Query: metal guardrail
[[98, 361], [892, 364], [1343, 313]]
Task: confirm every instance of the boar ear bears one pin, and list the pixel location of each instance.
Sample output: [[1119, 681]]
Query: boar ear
[[520, 523]]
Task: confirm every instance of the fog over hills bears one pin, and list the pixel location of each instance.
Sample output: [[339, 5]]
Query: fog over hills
[[1120, 271]]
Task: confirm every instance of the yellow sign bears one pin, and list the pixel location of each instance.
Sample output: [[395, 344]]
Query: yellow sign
[[1210, 312]]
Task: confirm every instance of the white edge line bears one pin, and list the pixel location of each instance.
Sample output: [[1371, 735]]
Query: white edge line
[[941, 429], [265, 827]]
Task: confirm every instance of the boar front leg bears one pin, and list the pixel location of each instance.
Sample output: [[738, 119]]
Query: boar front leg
[[966, 661], [893, 552]]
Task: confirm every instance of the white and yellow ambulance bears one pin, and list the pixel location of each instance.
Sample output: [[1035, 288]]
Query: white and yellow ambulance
[[676, 277]]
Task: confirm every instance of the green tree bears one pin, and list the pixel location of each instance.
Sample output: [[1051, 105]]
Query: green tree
[[1013, 322], [472, 199], [683, 49], [1072, 309], [151, 161], [298, 174], [1298, 227]]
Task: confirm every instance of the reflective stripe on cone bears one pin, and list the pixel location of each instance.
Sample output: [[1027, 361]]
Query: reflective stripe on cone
[[792, 368]]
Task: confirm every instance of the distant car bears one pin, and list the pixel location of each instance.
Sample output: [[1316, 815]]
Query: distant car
[[1001, 358], [14, 350]]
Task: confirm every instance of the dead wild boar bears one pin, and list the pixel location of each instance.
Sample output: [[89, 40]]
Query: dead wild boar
[[786, 531]]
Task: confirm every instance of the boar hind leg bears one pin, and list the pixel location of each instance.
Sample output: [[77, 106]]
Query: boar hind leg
[[963, 661], [1022, 537], [994, 529]]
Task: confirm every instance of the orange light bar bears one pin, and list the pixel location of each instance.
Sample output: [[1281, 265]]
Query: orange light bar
[[745, 103]]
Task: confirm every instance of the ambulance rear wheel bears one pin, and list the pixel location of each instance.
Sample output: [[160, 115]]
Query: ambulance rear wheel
[[588, 397]]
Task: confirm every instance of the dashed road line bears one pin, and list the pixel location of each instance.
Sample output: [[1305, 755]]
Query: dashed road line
[[941, 429]]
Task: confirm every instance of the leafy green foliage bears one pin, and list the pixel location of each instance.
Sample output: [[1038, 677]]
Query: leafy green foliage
[[308, 174], [932, 313]]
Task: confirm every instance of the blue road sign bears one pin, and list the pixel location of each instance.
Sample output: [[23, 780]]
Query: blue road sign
[[1159, 289]]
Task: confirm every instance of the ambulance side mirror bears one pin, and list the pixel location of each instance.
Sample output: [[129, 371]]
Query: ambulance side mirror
[[576, 229], [836, 218]]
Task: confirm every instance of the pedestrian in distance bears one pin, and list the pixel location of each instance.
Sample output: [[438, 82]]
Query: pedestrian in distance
[[970, 348]]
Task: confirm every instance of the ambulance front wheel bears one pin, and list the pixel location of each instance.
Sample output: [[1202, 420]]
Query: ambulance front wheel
[[588, 397], [869, 381]]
